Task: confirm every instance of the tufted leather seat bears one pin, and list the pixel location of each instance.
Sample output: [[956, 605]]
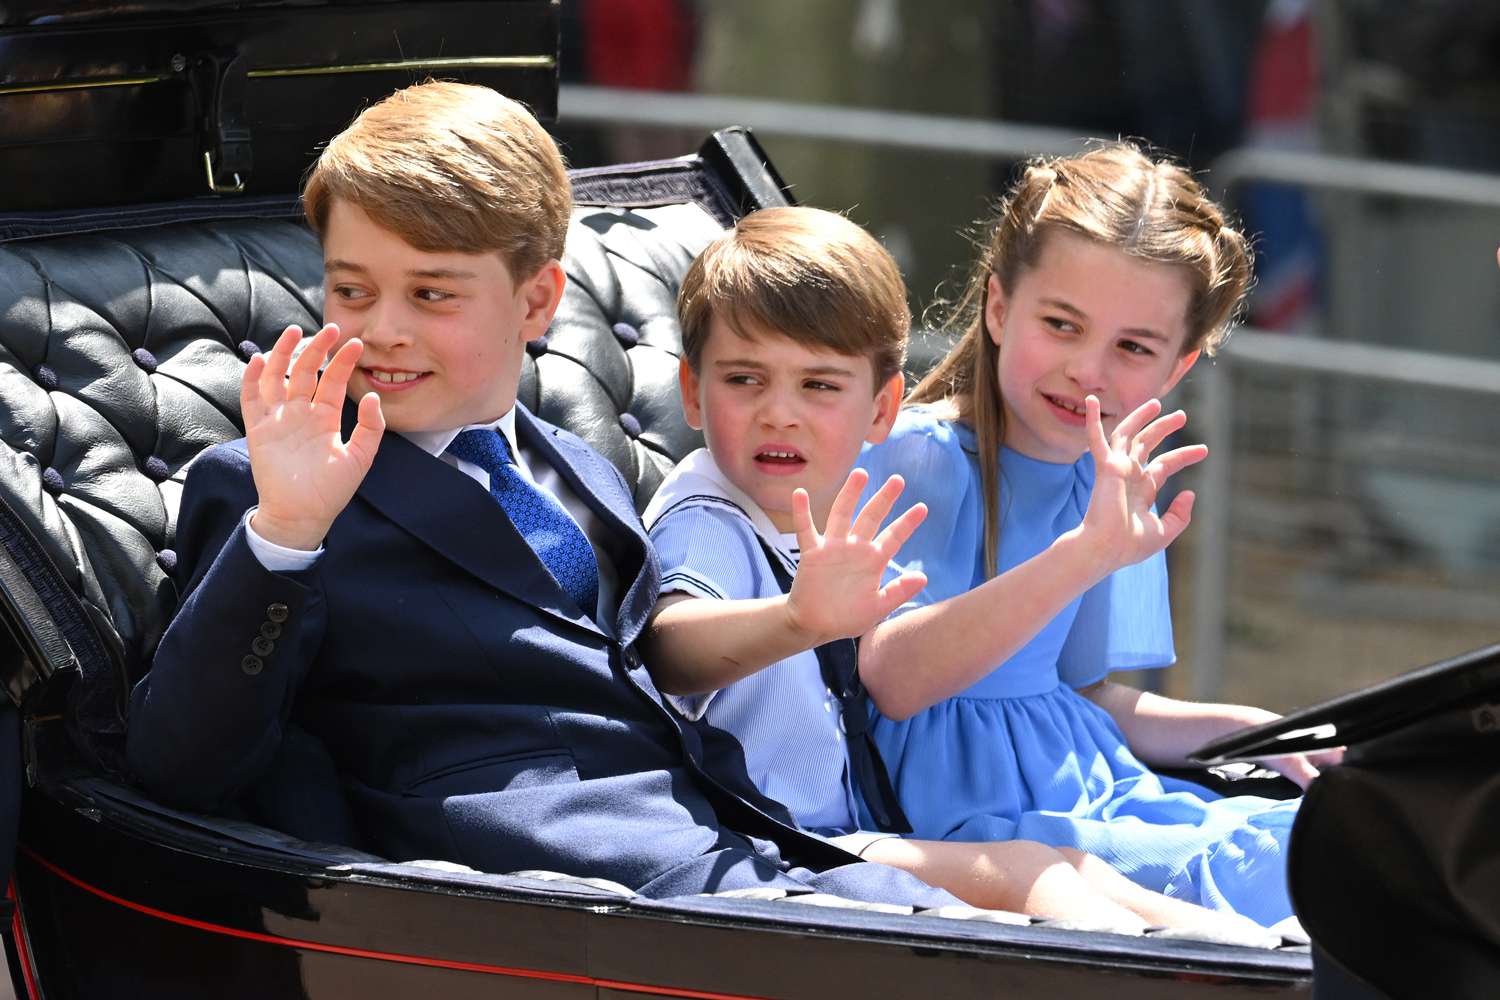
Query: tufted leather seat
[[120, 356]]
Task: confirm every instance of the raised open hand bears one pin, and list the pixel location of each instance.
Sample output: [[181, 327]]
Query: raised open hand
[[837, 591], [305, 473], [1121, 520]]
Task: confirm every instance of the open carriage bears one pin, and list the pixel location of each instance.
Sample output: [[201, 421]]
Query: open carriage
[[123, 331]]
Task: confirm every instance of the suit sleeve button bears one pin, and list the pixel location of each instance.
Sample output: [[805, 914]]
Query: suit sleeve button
[[262, 646], [252, 665], [270, 630], [278, 612]]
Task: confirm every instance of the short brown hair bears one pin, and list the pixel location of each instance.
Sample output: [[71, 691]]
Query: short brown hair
[[450, 167], [811, 275]]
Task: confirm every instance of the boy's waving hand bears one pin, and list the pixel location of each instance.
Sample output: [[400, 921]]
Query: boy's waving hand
[[837, 591], [305, 473]]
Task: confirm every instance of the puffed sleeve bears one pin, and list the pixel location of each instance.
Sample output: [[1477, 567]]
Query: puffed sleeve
[[1124, 623], [711, 553], [714, 554], [930, 455]]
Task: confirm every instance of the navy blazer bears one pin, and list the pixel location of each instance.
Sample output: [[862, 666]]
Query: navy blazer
[[471, 711]]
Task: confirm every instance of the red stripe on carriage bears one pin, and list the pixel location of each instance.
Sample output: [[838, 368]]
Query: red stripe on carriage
[[18, 935], [382, 956]]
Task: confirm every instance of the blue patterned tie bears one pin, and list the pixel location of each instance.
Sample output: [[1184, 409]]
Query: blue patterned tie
[[541, 520]]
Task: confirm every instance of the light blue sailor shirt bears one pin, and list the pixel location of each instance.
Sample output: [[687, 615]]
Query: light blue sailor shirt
[[708, 534]]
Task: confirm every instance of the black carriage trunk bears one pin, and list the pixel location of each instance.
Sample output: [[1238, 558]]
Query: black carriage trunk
[[111, 104]]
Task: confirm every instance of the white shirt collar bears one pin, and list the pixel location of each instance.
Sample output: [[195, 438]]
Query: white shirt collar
[[699, 476], [437, 442]]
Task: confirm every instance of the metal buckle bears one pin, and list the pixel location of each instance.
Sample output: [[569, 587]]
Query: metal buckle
[[214, 185]]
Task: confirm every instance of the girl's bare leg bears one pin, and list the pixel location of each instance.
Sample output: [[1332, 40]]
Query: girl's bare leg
[[1156, 909], [1017, 875]]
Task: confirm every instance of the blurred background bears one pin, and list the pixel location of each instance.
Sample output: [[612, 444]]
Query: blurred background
[[1348, 523]]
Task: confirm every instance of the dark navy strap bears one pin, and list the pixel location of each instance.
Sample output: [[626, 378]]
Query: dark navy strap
[[839, 663]]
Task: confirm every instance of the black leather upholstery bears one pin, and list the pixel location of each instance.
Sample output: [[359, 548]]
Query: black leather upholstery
[[120, 357]]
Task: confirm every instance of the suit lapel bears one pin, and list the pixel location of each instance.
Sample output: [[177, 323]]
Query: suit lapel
[[597, 484], [454, 516]]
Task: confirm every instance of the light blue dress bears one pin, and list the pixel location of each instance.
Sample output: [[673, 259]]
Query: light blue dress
[[1021, 754]]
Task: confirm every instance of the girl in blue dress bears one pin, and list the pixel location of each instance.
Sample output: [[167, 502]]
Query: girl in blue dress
[[1105, 276]]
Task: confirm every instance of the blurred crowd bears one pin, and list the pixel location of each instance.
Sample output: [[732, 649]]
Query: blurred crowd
[[1391, 79]]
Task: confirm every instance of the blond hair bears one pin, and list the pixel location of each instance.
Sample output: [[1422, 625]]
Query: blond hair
[[1117, 196], [450, 167], [805, 273]]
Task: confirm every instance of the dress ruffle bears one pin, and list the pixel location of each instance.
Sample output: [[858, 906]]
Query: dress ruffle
[[1054, 768]]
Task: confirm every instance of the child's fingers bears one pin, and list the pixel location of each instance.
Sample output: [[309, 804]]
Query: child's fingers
[[1098, 443], [1138, 418], [1178, 516], [879, 507], [250, 404], [842, 512], [335, 381], [273, 374], [365, 440], [1332, 757], [1297, 767], [900, 590], [1168, 465], [900, 530], [302, 377], [1154, 433], [802, 523]]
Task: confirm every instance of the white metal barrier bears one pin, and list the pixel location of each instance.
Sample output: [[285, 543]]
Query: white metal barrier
[[1211, 403]]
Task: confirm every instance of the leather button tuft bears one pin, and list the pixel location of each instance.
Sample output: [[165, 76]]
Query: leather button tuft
[[263, 646], [630, 424], [270, 630], [248, 349], [278, 612], [627, 335], [252, 665], [167, 560], [46, 377], [536, 348], [157, 469], [145, 359], [52, 481]]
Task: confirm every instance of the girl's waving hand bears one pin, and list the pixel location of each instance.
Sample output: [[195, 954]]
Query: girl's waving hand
[[1121, 518]]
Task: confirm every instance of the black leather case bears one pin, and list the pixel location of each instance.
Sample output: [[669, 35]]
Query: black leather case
[[109, 103]]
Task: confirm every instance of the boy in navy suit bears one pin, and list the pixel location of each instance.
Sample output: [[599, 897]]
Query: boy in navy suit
[[429, 582]]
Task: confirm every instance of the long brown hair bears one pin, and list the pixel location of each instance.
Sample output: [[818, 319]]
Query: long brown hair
[[1151, 209]]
